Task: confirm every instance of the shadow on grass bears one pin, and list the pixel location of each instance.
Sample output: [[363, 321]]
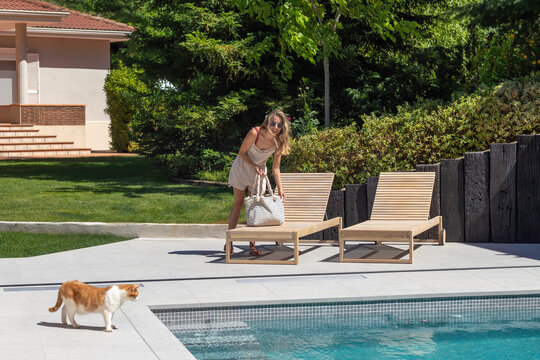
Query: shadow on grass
[[130, 176], [129, 169], [137, 192]]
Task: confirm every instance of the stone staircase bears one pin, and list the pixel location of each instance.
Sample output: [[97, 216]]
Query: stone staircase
[[20, 140]]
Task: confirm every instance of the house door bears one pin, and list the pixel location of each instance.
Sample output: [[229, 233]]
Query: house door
[[8, 80]]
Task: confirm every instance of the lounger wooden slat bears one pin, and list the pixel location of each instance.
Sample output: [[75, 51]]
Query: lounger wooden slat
[[306, 197], [400, 212]]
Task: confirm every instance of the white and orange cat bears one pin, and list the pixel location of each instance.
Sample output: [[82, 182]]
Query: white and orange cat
[[81, 298]]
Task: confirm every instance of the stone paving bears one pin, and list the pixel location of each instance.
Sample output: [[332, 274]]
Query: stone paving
[[191, 272]]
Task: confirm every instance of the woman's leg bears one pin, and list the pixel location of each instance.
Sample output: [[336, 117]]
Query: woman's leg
[[235, 215], [238, 202], [236, 208]]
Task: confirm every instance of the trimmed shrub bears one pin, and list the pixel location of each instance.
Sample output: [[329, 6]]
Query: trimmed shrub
[[206, 165], [421, 134], [334, 150], [124, 90]]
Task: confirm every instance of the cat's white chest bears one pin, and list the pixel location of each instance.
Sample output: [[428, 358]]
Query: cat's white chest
[[113, 299]]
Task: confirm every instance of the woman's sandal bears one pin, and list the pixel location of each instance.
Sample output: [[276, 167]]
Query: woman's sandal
[[225, 249], [255, 252]]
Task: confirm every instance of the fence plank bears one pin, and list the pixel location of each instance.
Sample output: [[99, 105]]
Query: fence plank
[[453, 199], [435, 209], [476, 169], [528, 188], [355, 204], [372, 182], [336, 207], [502, 192]]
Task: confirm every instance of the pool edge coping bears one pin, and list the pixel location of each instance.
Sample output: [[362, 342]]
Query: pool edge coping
[[202, 305], [161, 341]]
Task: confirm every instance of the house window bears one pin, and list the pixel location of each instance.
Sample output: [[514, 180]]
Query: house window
[[8, 77], [8, 83]]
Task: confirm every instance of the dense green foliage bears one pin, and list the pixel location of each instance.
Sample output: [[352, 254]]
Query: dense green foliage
[[421, 134], [202, 67], [198, 75], [124, 91], [505, 39]]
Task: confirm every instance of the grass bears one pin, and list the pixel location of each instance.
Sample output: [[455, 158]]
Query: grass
[[17, 244], [105, 189]]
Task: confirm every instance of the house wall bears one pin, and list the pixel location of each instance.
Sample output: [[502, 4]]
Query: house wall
[[73, 71]]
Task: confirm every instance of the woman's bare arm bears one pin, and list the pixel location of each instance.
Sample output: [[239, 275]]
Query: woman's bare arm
[[246, 144]]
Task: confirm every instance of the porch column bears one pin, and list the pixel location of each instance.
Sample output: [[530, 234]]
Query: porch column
[[22, 65]]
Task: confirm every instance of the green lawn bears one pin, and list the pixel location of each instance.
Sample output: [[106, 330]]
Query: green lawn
[[16, 244], [105, 189]]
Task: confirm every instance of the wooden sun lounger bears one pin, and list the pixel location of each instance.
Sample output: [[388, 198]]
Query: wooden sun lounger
[[306, 197], [400, 212]]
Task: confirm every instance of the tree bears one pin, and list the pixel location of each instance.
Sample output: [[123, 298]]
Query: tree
[[309, 28], [506, 38]]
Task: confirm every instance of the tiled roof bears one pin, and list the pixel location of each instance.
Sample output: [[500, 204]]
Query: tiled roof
[[26, 5], [75, 19]]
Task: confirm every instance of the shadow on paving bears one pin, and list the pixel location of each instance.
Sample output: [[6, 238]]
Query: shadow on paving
[[64, 326], [280, 252], [509, 249]]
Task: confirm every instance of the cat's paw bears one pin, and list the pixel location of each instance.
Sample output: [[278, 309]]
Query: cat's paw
[[76, 326], [108, 330]]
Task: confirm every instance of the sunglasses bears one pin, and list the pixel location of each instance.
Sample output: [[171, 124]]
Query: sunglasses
[[274, 124]]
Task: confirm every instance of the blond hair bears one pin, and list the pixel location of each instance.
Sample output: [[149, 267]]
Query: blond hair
[[281, 139]]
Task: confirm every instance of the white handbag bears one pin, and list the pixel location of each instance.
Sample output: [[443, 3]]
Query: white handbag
[[262, 209]]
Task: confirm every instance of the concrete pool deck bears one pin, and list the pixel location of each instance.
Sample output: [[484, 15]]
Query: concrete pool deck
[[191, 272]]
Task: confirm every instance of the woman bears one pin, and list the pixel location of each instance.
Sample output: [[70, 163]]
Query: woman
[[272, 137]]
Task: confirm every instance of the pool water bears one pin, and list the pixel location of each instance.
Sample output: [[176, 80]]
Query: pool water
[[462, 335]]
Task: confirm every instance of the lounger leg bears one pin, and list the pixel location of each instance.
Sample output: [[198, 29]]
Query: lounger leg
[[411, 248], [228, 246], [442, 235], [296, 250], [340, 241]]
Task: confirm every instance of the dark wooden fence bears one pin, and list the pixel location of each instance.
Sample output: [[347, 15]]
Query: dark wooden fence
[[487, 196]]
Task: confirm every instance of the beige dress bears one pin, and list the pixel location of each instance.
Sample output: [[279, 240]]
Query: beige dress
[[242, 175]]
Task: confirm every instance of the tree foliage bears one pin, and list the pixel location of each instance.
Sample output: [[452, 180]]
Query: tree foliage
[[421, 134], [309, 29], [124, 89], [207, 71]]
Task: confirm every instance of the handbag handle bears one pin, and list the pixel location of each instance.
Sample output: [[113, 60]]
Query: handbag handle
[[258, 186]]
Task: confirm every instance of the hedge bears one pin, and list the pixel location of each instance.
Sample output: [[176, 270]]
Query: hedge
[[421, 134]]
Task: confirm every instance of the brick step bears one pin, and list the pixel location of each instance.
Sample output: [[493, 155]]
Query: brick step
[[10, 126], [45, 152], [21, 132], [26, 139], [37, 145]]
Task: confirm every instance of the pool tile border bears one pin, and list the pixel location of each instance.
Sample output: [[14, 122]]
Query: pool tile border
[[380, 311]]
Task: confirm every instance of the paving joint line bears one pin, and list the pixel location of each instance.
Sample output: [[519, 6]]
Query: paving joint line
[[276, 276]]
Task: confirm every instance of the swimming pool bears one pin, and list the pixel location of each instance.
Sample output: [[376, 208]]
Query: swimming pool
[[494, 327]]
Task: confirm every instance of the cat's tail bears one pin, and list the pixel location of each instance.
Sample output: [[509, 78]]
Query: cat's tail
[[58, 303]]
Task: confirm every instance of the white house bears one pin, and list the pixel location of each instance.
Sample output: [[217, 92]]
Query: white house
[[53, 63]]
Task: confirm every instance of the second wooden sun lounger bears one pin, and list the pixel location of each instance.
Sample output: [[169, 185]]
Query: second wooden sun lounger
[[306, 197], [400, 212]]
